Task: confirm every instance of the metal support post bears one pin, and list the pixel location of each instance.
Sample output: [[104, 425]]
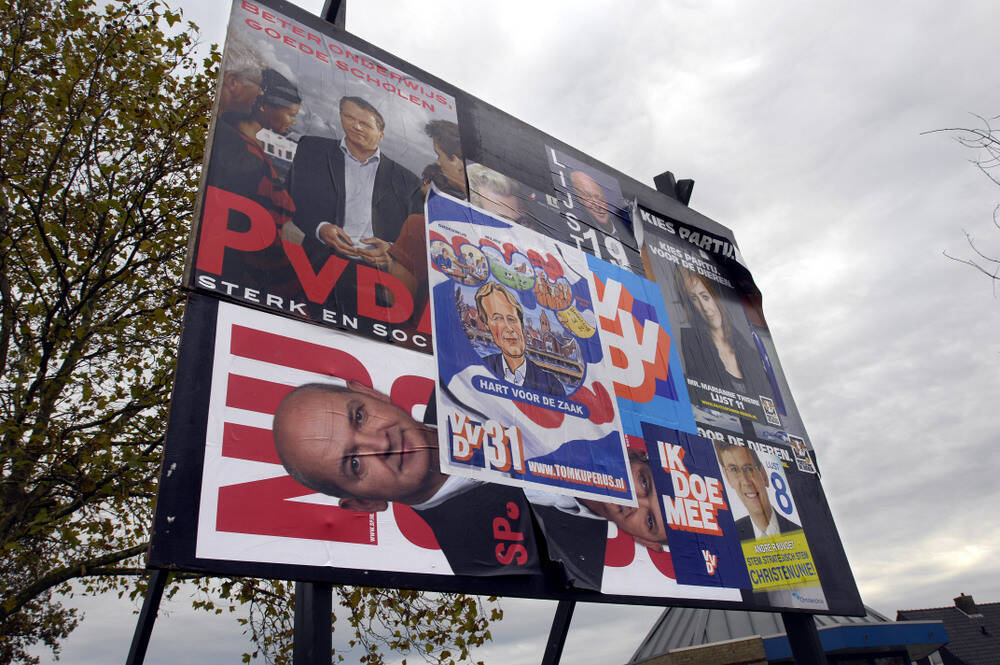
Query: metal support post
[[335, 11], [313, 630], [557, 635], [147, 616], [803, 638]]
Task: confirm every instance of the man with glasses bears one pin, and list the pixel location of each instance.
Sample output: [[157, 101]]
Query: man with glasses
[[746, 476]]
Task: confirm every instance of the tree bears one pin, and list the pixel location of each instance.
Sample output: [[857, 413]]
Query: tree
[[104, 113], [986, 144]]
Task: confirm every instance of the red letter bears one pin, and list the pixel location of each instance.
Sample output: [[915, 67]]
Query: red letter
[[502, 530], [402, 307], [513, 552], [316, 285], [619, 551], [264, 507], [413, 527], [216, 235]]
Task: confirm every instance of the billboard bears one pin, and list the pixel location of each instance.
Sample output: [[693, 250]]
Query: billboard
[[428, 346]]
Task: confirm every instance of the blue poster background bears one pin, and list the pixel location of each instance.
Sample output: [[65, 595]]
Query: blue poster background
[[671, 405], [687, 548]]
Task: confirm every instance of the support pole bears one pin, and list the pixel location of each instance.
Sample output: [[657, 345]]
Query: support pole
[[557, 635], [147, 616], [803, 638], [335, 11], [313, 630]]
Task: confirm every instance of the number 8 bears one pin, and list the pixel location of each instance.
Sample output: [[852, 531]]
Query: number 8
[[781, 493]]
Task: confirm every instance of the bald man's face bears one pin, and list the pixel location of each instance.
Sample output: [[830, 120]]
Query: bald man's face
[[591, 196], [358, 444]]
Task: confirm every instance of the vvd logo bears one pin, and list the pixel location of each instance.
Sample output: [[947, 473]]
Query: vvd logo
[[711, 561], [639, 353]]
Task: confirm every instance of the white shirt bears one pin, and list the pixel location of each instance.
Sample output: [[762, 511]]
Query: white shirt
[[771, 529], [359, 187], [517, 376], [453, 486]]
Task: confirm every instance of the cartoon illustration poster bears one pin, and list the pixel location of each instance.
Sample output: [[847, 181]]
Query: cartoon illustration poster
[[524, 397]]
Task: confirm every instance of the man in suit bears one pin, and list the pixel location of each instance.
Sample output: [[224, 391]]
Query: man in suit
[[597, 211], [347, 192], [504, 316], [745, 474], [353, 443]]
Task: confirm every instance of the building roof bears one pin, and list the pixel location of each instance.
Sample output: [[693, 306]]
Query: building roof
[[974, 637], [681, 627]]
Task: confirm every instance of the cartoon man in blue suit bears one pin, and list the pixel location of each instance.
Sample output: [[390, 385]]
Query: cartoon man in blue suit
[[504, 316]]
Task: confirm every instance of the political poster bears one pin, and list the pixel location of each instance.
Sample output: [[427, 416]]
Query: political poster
[[524, 397], [741, 405], [296, 450], [717, 519], [315, 452], [591, 201], [775, 548], [320, 154], [731, 368], [644, 366], [697, 514]]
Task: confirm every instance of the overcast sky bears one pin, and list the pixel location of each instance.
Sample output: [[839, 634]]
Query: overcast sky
[[801, 127]]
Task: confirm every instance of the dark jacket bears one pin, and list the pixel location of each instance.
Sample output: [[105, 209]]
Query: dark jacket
[[316, 182], [535, 378], [576, 544], [487, 530], [702, 362], [744, 526]]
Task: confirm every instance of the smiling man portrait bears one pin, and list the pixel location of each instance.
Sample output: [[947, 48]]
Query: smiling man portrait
[[504, 317], [748, 478]]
